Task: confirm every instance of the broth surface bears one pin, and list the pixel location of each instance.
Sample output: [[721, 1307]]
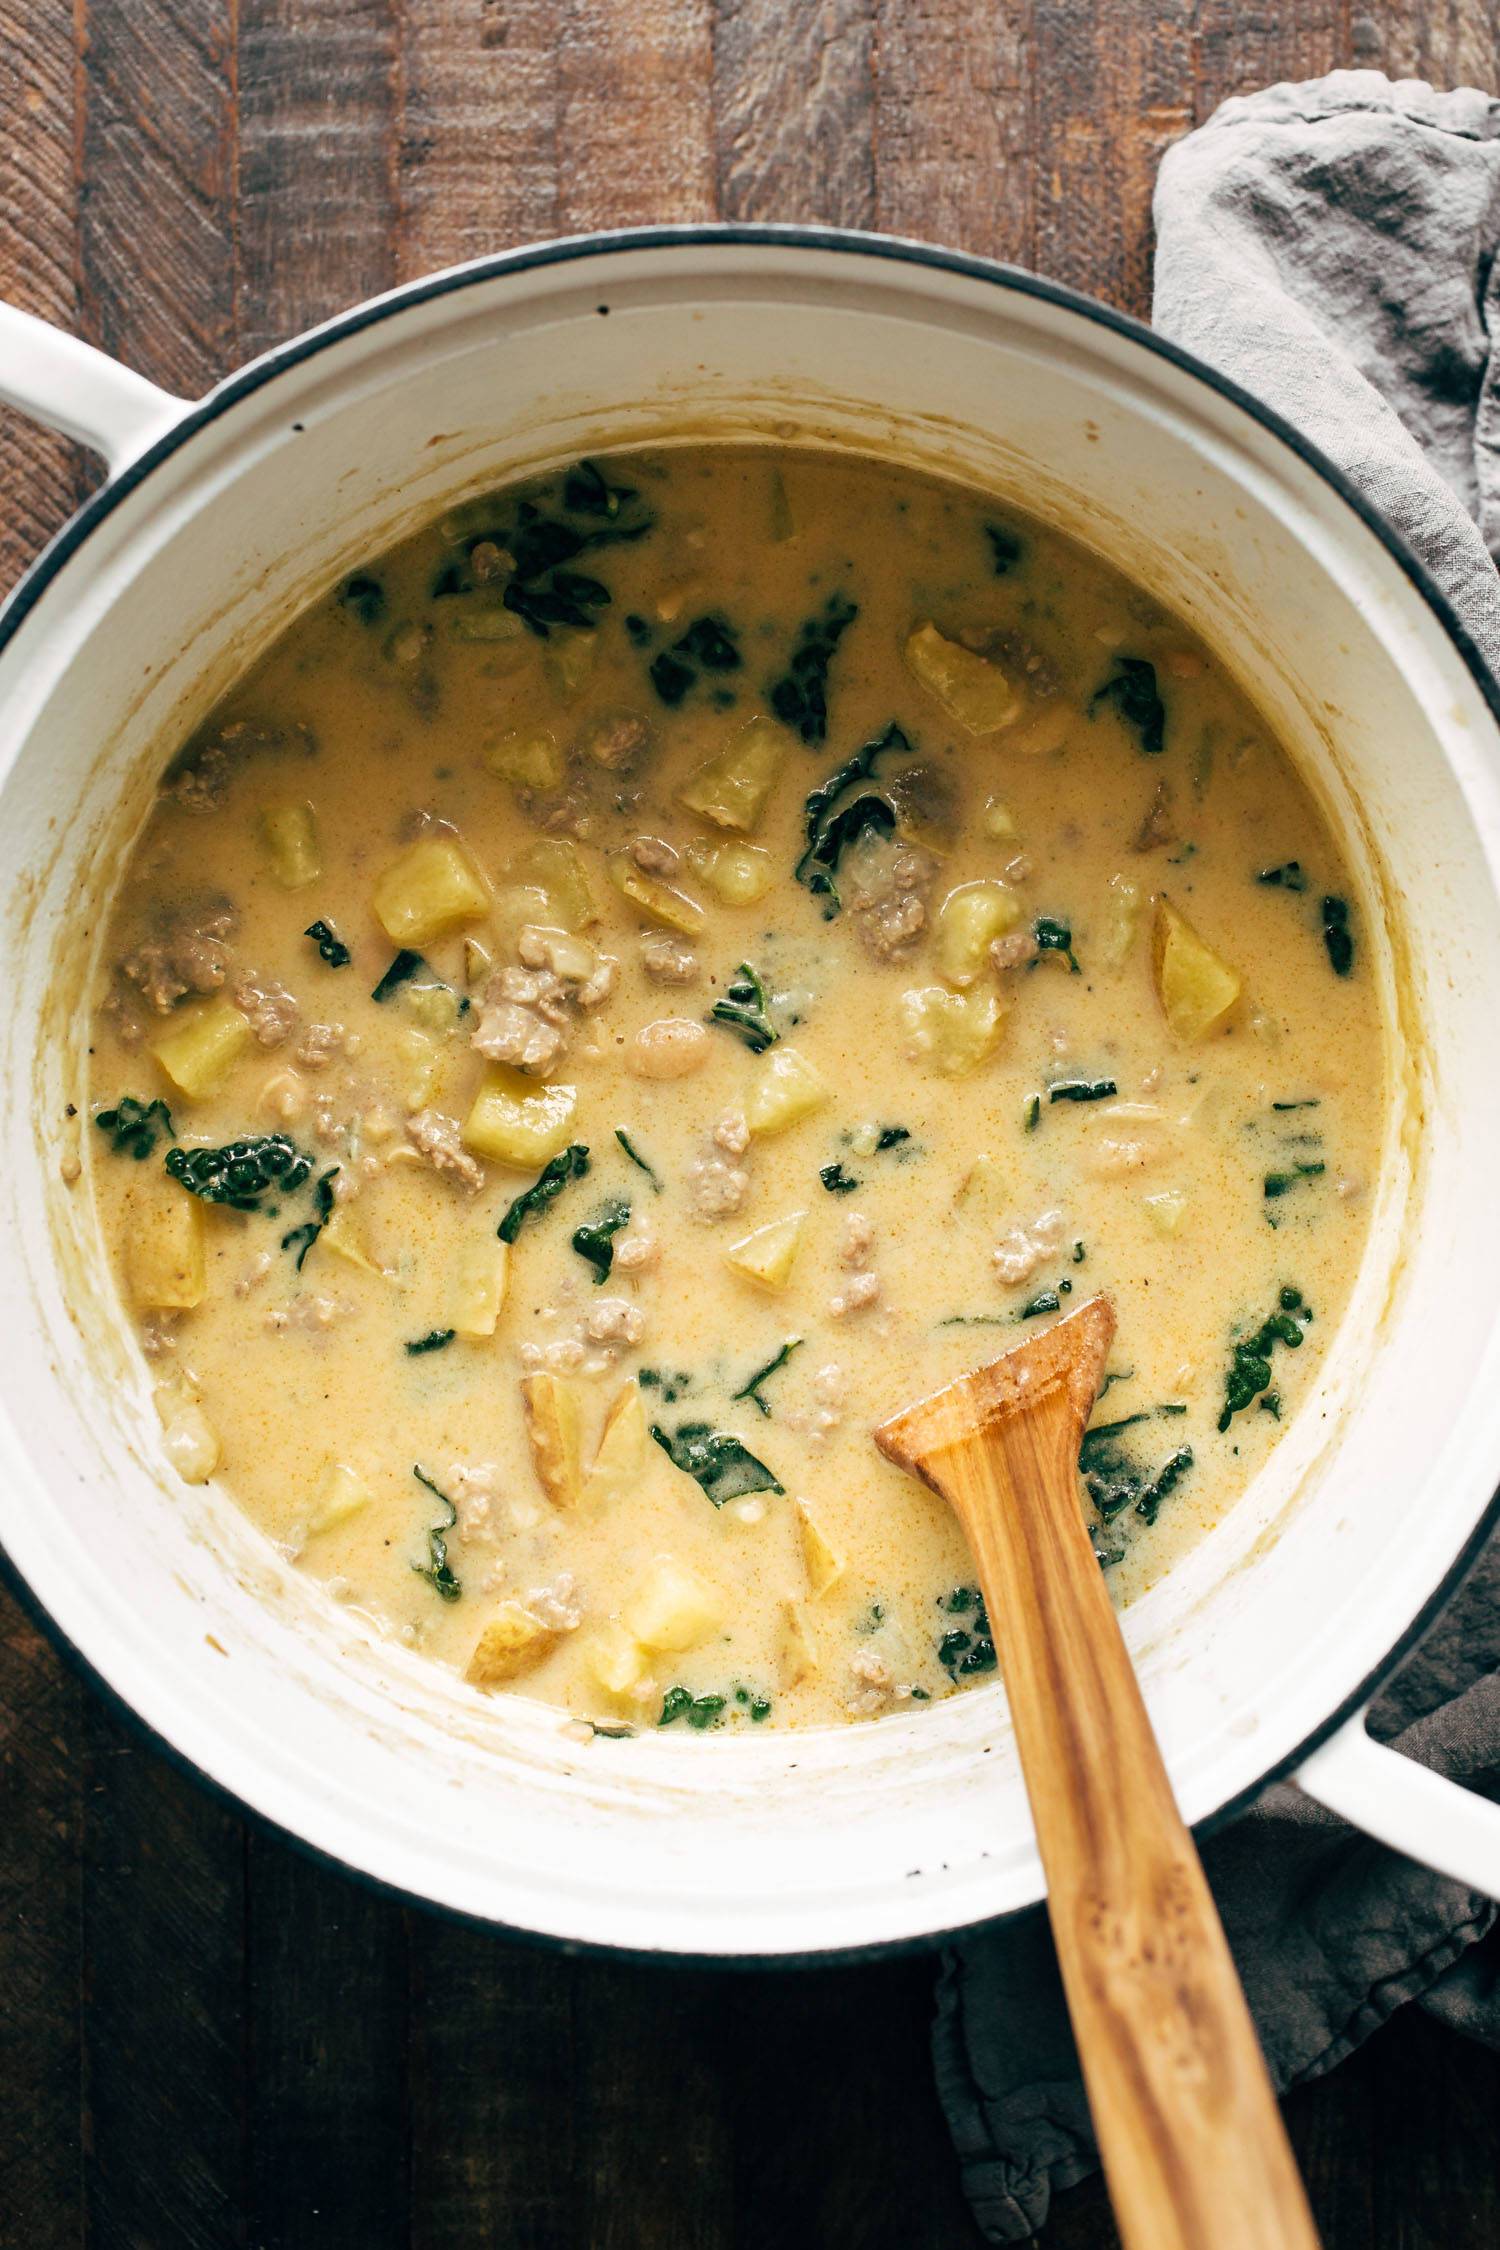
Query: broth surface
[[874, 923]]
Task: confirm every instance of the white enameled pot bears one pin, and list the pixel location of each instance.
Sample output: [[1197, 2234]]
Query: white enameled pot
[[218, 519]]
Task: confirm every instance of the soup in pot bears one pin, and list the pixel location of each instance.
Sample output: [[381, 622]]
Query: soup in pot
[[670, 963]]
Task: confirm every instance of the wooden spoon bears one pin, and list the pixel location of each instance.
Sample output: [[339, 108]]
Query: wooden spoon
[[1194, 2148]]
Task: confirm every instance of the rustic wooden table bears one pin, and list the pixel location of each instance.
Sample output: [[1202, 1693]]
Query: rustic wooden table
[[204, 2039]]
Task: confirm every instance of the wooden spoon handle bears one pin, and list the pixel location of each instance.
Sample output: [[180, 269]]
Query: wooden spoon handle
[[1193, 2144]]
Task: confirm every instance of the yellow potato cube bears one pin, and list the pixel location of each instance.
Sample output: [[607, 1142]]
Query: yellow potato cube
[[799, 1650], [204, 1048], [191, 1443], [479, 1286], [163, 1237], [621, 1453], [732, 788], [658, 901], [568, 661], [517, 1122], [341, 1493], [1122, 914], [553, 1428], [671, 1609], [1166, 1211], [952, 1032], [998, 821], [341, 1235], [737, 874], [513, 1642], [556, 870], [432, 887], [972, 689], [1196, 986], [768, 1255], [530, 758], [615, 1658], [968, 923], [986, 1189], [292, 845], [784, 1089], [820, 1558]]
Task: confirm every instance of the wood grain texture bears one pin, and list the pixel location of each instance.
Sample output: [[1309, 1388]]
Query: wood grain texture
[[209, 2041], [1194, 2148]]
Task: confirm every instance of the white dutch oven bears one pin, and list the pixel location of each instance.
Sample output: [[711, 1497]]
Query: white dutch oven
[[218, 520]]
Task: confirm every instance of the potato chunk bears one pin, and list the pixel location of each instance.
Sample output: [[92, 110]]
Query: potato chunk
[[529, 758], [784, 1090], [972, 689], [513, 1642], [671, 1609], [291, 845], [658, 901], [768, 1255], [737, 874], [553, 870], [615, 1658], [479, 1286], [516, 1121], [162, 1232], [821, 1559], [732, 788], [952, 1032], [968, 923], [1196, 986], [621, 1454], [552, 1425], [203, 1050], [799, 1651], [342, 1492], [432, 887]]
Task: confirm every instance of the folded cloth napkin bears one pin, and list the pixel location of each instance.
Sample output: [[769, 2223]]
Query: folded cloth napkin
[[1332, 247]]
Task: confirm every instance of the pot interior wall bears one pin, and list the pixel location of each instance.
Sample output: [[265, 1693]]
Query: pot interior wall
[[917, 1823]]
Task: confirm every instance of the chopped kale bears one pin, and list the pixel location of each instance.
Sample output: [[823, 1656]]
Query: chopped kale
[[1055, 937], [891, 1136], [1131, 688], [699, 1711], [363, 596], [724, 1467], [436, 1340], [307, 1234], [570, 1164], [800, 697], [837, 1180], [1287, 877], [762, 1375], [1006, 548], [532, 551], [636, 1158], [1116, 1478], [1079, 1253], [637, 631], [1337, 935], [242, 1172], [134, 1127], [1250, 1362], [1081, 1090], [745, 1011], [1032, 1114], [672, 1386], [830, 832], [437, 1570], [331, 946], [708, 645], [758, 1706], [1311, 1103], [966, 1650], [401, 971], [587, 492], [1045, 1301], [595, 1241], [1281, 1183]]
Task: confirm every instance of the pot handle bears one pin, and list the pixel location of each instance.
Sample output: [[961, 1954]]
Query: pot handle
[[68, 385], [1437, 1822]]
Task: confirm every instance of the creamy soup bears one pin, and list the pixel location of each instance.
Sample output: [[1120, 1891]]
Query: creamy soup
[[667, 965]]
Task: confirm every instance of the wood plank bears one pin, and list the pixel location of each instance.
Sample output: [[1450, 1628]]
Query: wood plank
[[479, 107], [164, 2004], [794, 111], [326, 2007], [955, 134], [497, 2131], [156, 157], [1117, 89], [41, 1786], [318, 136], [1236, 48], [1436, 2101], [41, 475], [655, 2073], [1448, 42], [635, 139]]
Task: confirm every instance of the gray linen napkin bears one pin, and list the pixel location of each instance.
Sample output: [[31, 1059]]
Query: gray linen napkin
[[1332, 247]]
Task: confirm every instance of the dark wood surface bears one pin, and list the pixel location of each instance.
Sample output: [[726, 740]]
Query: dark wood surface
[[204, 2039]]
